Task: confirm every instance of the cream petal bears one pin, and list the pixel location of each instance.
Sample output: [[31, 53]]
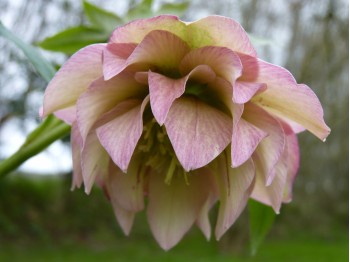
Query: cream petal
[[73, 78], [164, 90], [120, 136], [173, 208], [197, 131]]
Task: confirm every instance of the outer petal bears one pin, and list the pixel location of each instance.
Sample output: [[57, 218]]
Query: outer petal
[[292, 160], [127, 188], [68, 114], [223, 61], [244, 91], [120, 136], [76, 157], [220, 31], [73, 78], [271, 195], [284, 97], [159, 49], [271, 148], [114, 57], [136, 30], [164, 90], [102, 96], [245, 139], [94, 161], [173, 208], [235, 191], [198, 132], [125, 218]]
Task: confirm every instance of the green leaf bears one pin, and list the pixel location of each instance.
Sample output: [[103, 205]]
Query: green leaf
[[173, 9], [261, 219], [142, 10], [72, 39], [44, 68], [100, 18]]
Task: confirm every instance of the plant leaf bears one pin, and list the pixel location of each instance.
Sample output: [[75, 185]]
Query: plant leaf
[[100, 18], [261, 219], [142, 10], [173, 9], [72, 39], [42, 66]]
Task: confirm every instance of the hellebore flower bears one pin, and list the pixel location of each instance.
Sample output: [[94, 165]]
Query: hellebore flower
[[183, 115]]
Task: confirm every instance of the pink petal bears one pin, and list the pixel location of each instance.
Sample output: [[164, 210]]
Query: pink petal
[[292, 160], [173, 208], [223, 61], [136, 30], [120, 136], [198, 132], [235, 191], [284, 97], [271, 148], [73, 78], [160, 50], [68, 114], [127, 188], [114, 58], [272, 194], [102, 96], [164, 90], [76, 157], [94, 161], [245, 139], [244, 91], [220, 31]]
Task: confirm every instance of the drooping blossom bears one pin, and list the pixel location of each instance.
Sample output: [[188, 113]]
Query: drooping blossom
[[184, 115]]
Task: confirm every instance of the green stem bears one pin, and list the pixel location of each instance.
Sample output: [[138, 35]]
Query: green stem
[[34, 147]]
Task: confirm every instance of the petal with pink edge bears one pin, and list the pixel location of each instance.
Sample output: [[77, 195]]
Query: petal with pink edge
[[102, 96], [120, 136], [236, 185], [245, 139], [164, 90], [197, 131], [128, 188], [244, 91], [219, 31], [73, 78], [223, 61], [284, 97], [271, 148], [76, 157], [114, 57], [136, 30], [173, 208]]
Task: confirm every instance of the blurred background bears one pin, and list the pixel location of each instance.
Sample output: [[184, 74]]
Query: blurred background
[[41, 219]]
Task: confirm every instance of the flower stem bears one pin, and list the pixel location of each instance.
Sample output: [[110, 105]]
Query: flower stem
[[47, 135]]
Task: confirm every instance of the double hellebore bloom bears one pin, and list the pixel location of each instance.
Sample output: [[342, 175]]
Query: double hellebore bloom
[[180, 116]]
